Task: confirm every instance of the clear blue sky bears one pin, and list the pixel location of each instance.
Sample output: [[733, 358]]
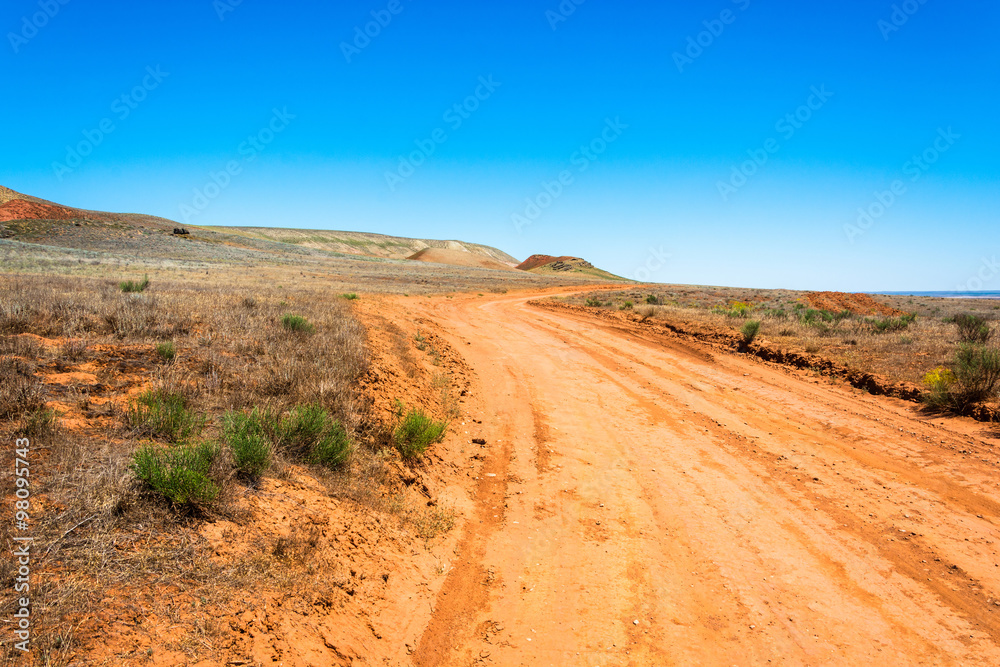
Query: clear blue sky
[[888, 91]]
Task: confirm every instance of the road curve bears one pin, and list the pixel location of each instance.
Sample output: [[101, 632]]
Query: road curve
[[648, 501]]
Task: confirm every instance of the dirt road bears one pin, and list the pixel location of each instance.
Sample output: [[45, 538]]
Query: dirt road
[[653, 502]]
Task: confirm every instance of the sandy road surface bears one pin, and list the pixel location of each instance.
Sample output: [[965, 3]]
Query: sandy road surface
[[739, 513]]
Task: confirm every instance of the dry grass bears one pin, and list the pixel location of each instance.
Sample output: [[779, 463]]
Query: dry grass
[[259, 265], [20, 388], [98, 529], [906, 355]]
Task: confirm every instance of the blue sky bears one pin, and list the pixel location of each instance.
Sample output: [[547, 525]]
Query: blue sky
[[739, 138]]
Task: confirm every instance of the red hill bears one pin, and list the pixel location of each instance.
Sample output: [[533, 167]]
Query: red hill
[[536, 261], [20, 209]]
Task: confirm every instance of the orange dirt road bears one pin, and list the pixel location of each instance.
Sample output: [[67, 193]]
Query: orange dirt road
[[653, 502]]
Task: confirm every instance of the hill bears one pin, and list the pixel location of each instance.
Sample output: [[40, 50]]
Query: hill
[[565, 265], [32, 220], [463, 257], [41, 231], [367, 244]]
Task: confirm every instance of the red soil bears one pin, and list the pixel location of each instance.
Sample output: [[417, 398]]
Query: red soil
[[860, 304], [19, 209]]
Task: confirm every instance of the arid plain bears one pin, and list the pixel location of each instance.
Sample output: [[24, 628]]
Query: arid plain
[[626, 474]]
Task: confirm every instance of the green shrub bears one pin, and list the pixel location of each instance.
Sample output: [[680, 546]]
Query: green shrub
[[309, 432], [940, 382], [653, 300], [820, 318], [750, 331], [333, 448], [160, 413], [415, 432], [594, 303], [39, 422], [133, 286], [974, 378], [249, 437], [973, 329], [352, 296], [628, 305], [303, 427], [181, 473], [166, 350], [977, 372], [737, 309], [890, 324], [297, 323]]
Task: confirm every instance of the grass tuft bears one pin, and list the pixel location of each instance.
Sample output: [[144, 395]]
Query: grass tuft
[[310, 433], [161, 413], [249, 440], [39, 422], [333, 449], [181, 474], [297, 323], [20, 389], [750, 331], [134, 286], [890, 324], [415, 432], [166, 350]]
